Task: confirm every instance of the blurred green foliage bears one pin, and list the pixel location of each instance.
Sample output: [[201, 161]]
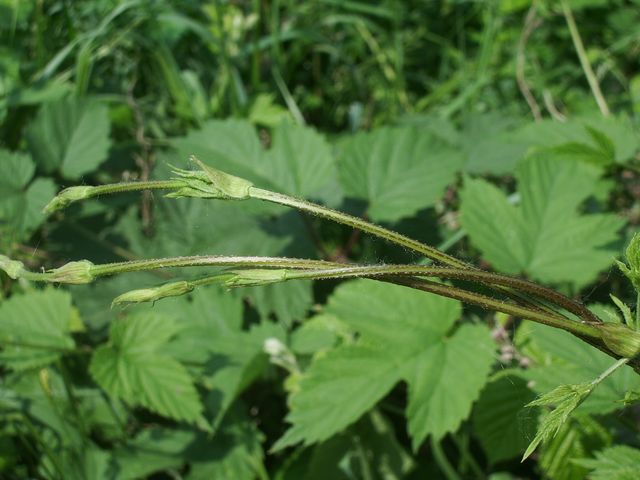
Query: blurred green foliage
[[466, 124]]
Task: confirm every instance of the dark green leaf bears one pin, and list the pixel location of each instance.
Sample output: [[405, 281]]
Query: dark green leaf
[[70, 135], [398, 171]]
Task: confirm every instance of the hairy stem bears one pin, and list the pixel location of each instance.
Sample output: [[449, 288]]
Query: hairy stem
[[577, 328], [208, 260], [359, 223], [381, 232], [478, 276]]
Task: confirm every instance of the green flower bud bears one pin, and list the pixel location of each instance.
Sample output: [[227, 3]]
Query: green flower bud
[[210, 183], [13, 268], [632, 254], [252, 278], [173, 289], [620, 339], [67, 196], [72, 272]]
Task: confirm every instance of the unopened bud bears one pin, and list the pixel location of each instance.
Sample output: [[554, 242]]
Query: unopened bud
[[210, 183], [256, 277], [173, 289], [73, 272], [67, 196], [620, 339]]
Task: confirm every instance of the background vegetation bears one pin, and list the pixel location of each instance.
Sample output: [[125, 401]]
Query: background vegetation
[[503, 131]]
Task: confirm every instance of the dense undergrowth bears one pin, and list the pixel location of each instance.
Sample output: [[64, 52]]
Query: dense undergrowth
[[504, 133]]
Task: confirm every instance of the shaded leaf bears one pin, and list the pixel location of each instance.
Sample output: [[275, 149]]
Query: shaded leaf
[[35, 328], [21, 200], [501, 422], [398, 171], [70, 135]]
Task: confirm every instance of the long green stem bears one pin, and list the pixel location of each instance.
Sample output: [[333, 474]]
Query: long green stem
[[83, 192], [359, 223], [386, 234], [582, 329], [86, 272], [208, 260], [584, 60], [478, 276]]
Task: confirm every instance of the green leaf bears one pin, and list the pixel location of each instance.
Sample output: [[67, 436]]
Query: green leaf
[[597, 140], [489, 143], [133, 367], [225, 358], [234, 452], [402, 335], [70, 135], [336, 391], [544, 236], [35, 328], [614, 463], [299, 162], [398, 171], [21, 202], [501, 422], [445, 380], [152, 450]]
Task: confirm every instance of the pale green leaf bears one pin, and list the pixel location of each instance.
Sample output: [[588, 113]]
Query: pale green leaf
[[21, 202], [489, 143], [614, 463], [398, 171], [70, 135], [544, 236], [402, 334], [132, 366], [34, 328]]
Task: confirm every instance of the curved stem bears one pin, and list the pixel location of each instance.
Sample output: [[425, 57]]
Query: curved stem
[[359, 223], [386, 234], [478, 276]]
